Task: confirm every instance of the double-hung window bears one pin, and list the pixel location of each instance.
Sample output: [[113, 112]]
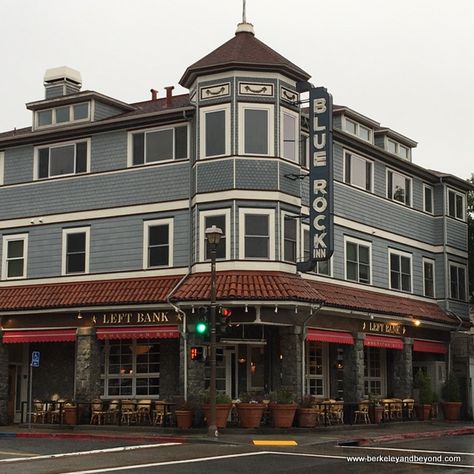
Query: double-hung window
[[457, 281], [256, 129], [358, 260], [221, 220], [289, 135], [76, 250], [163, 144], [257, 230], [290, 238], [398, 187], [62, 159], [428, 205], [215, 131], [15, 252], [400, 270], [374, 370], [322, 267], [316, 363], [158, 243], [456, 204], [428, 277], [358, 171]]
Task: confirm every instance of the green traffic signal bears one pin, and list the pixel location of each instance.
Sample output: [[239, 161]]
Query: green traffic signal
[[201, 327]]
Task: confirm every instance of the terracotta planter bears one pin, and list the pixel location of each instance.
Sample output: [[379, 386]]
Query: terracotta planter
[[307, 417], [70, 415], [184, 419], [283, 414], [250, 414], [376, 414], [451, 410], [222, 413], [423, 411]]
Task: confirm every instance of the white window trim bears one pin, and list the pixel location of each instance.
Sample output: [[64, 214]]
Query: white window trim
[[400, 253], [304, 228], [202, 129], [427, 186], [325, 369], [397, 149], [6, 239], [383, 371], [354, 240], [466, 282], [390, 198], [271, 231], [152, 223], [59, 145], [433, 262], [456, 193], [282, 236], [344, 128], [75, 230], [155, 129], [54, 123], [202, 238], [349, 152], [270, 108], [296, 116], [2, 167]]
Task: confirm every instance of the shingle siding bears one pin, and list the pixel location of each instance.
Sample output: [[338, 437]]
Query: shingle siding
[[103, 111], [18, 165]]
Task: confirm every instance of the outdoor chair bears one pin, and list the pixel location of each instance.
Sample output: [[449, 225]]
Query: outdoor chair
[[112, 412], [144, 411], [129, 412], [361, 415], [409, 404], [39, 412], [97, 412]]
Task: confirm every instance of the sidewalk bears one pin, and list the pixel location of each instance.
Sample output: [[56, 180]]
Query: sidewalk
[[355, 434]]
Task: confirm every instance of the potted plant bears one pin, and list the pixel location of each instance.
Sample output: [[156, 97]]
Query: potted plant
[[307, 413], [223, 407], [425, 395], [375, 409], [283, 408], [70, 413], [184, 414], [250, 409], [451, 395]]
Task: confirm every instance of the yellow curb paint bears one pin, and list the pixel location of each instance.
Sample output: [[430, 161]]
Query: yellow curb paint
[[274, 442]]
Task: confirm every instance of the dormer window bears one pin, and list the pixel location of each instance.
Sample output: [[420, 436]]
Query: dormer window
[[62, 115], [398, 149], [357, 129]]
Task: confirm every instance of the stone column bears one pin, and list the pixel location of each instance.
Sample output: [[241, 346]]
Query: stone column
[[354, 369], [403, 370], [169, 368], [292, 359], [196, 375], [88, 362], [3, 384]]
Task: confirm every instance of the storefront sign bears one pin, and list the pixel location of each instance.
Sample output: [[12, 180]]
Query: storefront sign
[[134, 318], [384, 328]]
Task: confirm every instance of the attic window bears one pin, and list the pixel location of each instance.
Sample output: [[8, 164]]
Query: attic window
[[357, 129], [62, 115], [398, 149]]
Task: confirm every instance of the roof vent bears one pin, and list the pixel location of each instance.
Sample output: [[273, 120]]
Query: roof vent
[[61, 81], [245, 27]]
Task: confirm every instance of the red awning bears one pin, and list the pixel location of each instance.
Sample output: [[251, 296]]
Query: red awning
[[337, 337], [44, 335], [383, 341], [146, 332], [434, 347]]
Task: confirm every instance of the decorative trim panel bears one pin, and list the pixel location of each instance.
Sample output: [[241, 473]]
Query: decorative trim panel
[[211, 92], [288, 95], [256, 89]]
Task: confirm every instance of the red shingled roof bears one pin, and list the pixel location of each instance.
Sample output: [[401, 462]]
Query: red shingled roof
[[231, 285], [246, 52]]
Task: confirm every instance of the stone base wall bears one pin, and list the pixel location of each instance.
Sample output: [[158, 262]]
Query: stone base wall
[[354, 370], [3, 384], [88, 362]]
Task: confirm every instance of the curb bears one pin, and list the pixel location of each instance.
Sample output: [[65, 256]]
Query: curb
[[417, 435], [99, 437]]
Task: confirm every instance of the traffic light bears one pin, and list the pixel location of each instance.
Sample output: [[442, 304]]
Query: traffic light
[[197, 353], [202, 322], [223, 320]]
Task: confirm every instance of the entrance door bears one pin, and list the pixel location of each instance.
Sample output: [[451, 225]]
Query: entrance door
[[226, 374], [14, 392], [255, 368]]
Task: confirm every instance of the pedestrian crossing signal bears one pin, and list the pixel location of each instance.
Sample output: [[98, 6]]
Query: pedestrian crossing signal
[[197, 353]]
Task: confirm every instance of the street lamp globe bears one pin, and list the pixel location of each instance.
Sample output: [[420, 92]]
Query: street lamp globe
[[214, 235]]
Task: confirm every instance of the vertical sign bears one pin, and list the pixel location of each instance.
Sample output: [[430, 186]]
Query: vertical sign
[[35, 359]]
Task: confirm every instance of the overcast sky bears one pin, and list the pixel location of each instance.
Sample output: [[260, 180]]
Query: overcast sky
[[408, 64]]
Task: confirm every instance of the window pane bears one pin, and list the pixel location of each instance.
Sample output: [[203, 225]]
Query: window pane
[[138, 148], [181, 142], [454, 281], [43, 165], [364, 273], [358, 172], [394, 262], [462, 283], [158, 235], [256, 247], [406, 282], [76, 242], [62, 160], [289, 137], [159, 145], [81, 111], [323, 267], [364, 133], [290, 240], [368, 173], [428, 199], [351, 126], [347, 173], [215, 133], [15, 248], [451, 204], [76, 263], [364, 254], [81, 157], [351, 250], [256, 131], [395, 280], [256, 224], [15, 268], [45, 117], [218, 221], [391, 146], [62, 114], [399, 191], [352, 271], [306, 251], [459, 206]]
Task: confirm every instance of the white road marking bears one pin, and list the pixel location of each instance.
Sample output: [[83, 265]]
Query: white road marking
[[8, 453], [380, 448], [94, 451]]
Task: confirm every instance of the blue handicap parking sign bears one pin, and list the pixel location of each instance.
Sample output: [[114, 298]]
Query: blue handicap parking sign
[[35, 359]]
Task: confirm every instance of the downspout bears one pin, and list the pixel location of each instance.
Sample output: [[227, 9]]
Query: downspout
[[445, 240], [188, 272]]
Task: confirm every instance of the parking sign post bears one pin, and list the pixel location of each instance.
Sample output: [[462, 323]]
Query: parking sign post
[[35, 362]]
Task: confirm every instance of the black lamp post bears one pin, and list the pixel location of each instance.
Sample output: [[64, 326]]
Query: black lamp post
[[214, 235]]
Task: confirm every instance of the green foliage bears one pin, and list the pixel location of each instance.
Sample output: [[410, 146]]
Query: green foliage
[[451, 391], [307, 401], [283, 396], [251, 397], [423, 384], [205, 397]]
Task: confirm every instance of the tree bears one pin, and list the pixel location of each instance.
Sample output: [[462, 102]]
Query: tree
[[470, 238]]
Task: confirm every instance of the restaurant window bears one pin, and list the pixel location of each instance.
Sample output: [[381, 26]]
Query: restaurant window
[[315, 368], [15, 249], [457, 281], [158, 245], [131, 368], [428, 199], [428, 277], [358, 171], [162, 144], [75, 250], [456, 205], [289, 135], [374, 359], [256, 129], [400, 270], [322, 267], [257, 234], [62, 159], [215, 130], [357, 260], [398, 187], [290, 238]]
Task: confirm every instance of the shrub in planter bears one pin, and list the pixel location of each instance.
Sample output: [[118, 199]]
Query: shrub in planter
[[184, 415], [223, 407], [425, 397], [250, 409], [451, 395], [307, 413], [283, 408]]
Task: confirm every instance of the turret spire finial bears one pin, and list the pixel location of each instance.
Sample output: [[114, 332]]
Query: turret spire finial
[[244, 27], [244, 16]]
